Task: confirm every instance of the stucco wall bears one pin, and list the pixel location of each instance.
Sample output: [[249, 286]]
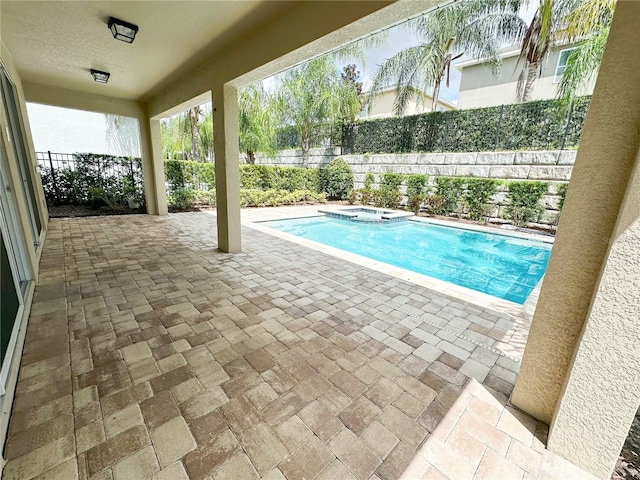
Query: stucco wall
[[550, 166]]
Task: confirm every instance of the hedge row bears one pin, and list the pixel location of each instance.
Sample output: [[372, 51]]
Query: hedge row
[[545, 124]]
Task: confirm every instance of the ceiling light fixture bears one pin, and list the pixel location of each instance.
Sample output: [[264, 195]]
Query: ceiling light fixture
[[100, 76], [122, 30]]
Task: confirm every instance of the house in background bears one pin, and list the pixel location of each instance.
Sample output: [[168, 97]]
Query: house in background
[[480, 88], [382, 105]]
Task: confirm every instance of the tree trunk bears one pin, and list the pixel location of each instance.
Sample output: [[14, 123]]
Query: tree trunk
[[436, 94], [195, 133], [531, 77], [251, 157], [306, 140]]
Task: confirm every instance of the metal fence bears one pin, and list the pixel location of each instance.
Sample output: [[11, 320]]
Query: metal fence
[[78, 178]]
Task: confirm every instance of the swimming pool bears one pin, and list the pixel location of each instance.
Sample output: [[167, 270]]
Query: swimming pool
[[500, 265]]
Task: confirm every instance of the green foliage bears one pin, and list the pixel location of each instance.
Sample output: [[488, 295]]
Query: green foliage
[[95, 179], [188, 135], [314, 94], [258, 120], [181, 198], [433, 204], [369, 180], [388, 195], [416, 189], [561, 190], [266, 177], [524, 202], [449, 190], [337, 179], [181, 173], [477, 195], [272, 197], [539, 125]]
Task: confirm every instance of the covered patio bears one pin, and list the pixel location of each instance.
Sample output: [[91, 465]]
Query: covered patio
[[149, 353]]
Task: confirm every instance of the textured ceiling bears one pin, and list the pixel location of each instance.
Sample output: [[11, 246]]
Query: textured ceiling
[[56, 43]]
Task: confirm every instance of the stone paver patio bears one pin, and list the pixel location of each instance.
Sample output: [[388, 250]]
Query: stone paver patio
[[149, 354]]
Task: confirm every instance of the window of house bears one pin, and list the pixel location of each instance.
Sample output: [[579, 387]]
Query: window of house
[[562, 64]]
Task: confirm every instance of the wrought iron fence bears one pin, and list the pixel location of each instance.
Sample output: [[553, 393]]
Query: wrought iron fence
[[85, 178]]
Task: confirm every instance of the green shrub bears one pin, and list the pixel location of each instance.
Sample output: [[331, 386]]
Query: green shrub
[[267, 177], [433, 204], [182, 198], [271, 198], [388, 195], [337, 179], [476, 197], [449, 189], [416, 189], [369, 180], [391, 181], [561, 190], [524, 202], [187, 173]]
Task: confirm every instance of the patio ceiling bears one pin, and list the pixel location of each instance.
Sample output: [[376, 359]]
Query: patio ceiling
[[56, 43]]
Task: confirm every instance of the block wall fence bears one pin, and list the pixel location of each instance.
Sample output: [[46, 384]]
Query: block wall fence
[[553, 166]]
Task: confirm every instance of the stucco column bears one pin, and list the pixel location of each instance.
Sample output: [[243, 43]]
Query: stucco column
[[225, 145], [579, 371], [153, 167]]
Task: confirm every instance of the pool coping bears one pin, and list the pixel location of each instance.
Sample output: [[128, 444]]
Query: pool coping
[[523, 312]]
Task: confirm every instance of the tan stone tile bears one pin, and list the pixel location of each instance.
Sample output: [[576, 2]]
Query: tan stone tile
[[67, 470], [136, 352], [347, 383], [396, 463], [116, 448], [40, 435], [239, 385], [359, 414], [321, 421], [293, 432], [486, 433], [142, 464], [484, 411], [21, 421], [201, 462], [311, 388], [261, 395], [447, 460], [433, 473], [263, 447], [159, 409], [240, 414], [235, 468], [172, 441], [187, 390], [383, 392], [171, 379], [207, 427], [171, 363], [355, 454], [336, 471], [494, 466], [260, 361], [143, 370], [175, 471], [89, 436], [123, 420], [517, 425], [126, 397], [307, 461], [279, 379], [334, 400], [281, 409], [274, 474], [525, 457], [203, 404], [402, 426], [409, 405], [366, 375], [469, 446], [40, 460], [379, 439]]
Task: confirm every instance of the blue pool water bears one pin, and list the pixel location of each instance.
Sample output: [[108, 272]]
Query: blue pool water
[[499, 265]]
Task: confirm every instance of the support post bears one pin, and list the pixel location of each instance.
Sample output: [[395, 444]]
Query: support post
[[579, 371], [227, 154], [153, 167]]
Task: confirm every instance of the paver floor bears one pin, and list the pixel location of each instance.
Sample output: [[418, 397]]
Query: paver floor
[[149, 354]]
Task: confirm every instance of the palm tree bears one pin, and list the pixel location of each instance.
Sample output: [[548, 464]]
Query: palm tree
[[547, 27], [258, 120], [474, 27], [314, 94], [591, 21]]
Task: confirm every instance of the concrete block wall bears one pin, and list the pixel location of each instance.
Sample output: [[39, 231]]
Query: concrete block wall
[[553, 166]]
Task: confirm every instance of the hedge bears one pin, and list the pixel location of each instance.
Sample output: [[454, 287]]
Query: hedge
[[544, 124]]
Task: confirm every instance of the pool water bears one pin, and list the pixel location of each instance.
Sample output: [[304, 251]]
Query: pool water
[[499, 265]]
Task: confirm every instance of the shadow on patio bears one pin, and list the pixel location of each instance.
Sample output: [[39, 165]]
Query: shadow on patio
[[149, 354]]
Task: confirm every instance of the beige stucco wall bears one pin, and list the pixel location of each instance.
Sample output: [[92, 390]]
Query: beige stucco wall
[[580, 364], [480, 88], [382, 105], [33, 254]]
